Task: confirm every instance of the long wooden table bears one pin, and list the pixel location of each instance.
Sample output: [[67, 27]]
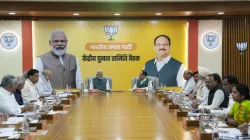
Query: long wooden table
[[117, 116]]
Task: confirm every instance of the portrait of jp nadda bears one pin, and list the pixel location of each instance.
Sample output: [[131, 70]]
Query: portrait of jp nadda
[[166, 68]]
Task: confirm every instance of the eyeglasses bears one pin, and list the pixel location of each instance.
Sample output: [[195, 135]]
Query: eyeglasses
[[159, 45], [57, 41]]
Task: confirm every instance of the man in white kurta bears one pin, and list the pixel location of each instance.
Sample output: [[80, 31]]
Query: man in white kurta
[[189, 84], [43, 85], [8, 102], [29, 91], [228, 83]]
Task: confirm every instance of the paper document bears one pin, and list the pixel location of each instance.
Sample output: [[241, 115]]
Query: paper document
[[2, 130]]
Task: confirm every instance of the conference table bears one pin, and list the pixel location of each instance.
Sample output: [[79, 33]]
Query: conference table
[[122, 115], [117, 116]]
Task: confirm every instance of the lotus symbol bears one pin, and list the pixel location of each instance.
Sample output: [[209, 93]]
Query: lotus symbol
[[111, 31], [210, 39], [242, 46], [8, 40]]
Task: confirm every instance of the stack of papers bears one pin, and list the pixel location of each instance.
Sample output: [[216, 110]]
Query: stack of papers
[[13, 120], [190, 114], [25, 113], [61, 112], [229, 132], [51, 112], [222, 124], [6, 132]]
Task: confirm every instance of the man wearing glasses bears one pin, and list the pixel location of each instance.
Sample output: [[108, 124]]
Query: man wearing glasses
[[167, 69], [64, 66]]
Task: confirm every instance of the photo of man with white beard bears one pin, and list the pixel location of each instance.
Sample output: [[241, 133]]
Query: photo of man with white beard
[[64, 66]]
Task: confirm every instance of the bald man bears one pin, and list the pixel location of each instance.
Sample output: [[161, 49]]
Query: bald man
[[190, 83], [43, 86]]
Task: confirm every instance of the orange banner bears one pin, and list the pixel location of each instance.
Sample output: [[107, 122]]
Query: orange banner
[[125, 46]]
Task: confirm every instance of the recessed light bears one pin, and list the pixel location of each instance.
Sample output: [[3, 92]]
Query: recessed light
[[158, 14], [12, 13], [76, 14], [220, 13], [117, 14]]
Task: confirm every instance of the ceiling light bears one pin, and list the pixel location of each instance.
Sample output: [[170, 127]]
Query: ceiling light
[[158, 14], [76, 14], [117, 14], [220, 13], [12, 13]]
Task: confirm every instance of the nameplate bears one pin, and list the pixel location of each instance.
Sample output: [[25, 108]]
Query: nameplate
[[66, 101], [25, 136], [181, 113], [78, 94], [94, 91], [72, 96], [172, 106], [188, 123], [140, 90], [206, 117], [58, 107], [166, 100], [40, 124], [46, 116], [202, 135]]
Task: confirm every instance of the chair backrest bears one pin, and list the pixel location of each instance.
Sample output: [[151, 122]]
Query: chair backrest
[[155, 81], [88, 79]]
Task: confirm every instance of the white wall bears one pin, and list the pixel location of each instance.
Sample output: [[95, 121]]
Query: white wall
[[11, 60], [210, 58]]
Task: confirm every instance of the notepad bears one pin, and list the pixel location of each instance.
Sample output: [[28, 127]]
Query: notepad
[[7, 134], [2, 130], [13, 120], [52, 112], [230, 132], [208, 130], [34, 121], [192, 118]]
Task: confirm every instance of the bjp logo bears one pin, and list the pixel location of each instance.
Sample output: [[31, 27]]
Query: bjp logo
[[111, 31]]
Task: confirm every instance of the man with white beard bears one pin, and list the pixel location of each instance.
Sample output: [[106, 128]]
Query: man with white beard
[[64, 66], [200, 91]]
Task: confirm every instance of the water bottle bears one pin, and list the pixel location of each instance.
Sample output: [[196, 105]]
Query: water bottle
[[58, 101], [67, 87], [35, 112], [215, 131], [69, 90], [46, 105], [162, 86], [82, 88], [25, 125]]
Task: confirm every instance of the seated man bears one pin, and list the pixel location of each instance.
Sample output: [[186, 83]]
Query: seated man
[[196, 76], [99, 82], [216, 97], [240, 111], [143, 81], [228, 83], [200, 93], [43, 85], [8, 102], [29, 91], [18, 93], [190, 83]]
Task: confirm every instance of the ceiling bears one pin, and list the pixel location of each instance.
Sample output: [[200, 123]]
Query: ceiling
[[57, 9]]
